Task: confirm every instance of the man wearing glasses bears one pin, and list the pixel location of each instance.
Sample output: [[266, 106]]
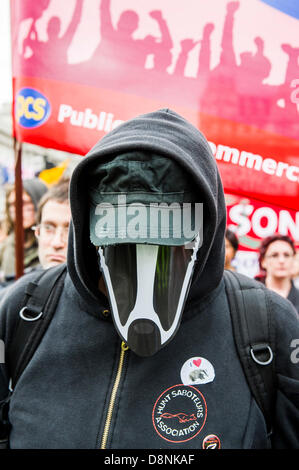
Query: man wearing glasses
[[53, 219]]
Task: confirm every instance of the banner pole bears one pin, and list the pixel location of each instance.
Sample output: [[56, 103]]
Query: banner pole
[[19, 231]]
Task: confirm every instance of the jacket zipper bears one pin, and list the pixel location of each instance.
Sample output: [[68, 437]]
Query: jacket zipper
[[123, 350]]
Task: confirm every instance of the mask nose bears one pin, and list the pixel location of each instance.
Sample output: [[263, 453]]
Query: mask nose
[[144, 337]]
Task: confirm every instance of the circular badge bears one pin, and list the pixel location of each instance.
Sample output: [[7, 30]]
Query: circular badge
[[179, 413], [211, 442], [197, 371]]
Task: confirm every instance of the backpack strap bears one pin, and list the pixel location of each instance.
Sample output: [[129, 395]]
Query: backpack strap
[[254, 334], [41, 298]]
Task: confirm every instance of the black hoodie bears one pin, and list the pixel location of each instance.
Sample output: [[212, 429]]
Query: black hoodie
[[169, 135], [84, 389]]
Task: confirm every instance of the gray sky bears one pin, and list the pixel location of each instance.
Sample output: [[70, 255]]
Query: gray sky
[[5, 53]]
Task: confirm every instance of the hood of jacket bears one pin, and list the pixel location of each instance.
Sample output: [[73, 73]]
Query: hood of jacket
[[167, 134]]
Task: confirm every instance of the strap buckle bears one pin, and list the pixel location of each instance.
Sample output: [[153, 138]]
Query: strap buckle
[[29, 318], [259, 348]]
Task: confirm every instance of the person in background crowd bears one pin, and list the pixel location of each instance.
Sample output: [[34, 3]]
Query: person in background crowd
[[231, 248], [276, 260], [296, 270], [33, 190], [53, 219], [51, 229]]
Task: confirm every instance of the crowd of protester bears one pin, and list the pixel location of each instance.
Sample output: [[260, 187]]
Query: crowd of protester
[[46, 218]]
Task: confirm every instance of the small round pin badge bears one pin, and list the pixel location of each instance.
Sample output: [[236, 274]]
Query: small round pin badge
[[211, 442]]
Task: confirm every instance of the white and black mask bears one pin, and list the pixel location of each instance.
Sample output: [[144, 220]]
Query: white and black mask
[[147, 287]]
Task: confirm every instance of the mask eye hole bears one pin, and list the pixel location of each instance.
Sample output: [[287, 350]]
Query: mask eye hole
[[121, 262], [172, 263]]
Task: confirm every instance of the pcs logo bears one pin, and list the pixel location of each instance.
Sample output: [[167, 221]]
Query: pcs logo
[[32, 109]]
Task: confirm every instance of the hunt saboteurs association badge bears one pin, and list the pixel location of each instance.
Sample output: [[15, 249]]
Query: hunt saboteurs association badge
[[179, 413]]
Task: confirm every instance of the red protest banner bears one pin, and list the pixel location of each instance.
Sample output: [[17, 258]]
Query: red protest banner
[[81, 68]]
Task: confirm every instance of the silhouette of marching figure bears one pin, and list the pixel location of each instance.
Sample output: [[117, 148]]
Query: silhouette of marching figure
[[227, 57], [254, 68], [118, 51], [121, 57], [260, 64], [197, 84], [292, 72], [254, 97], [204, 57], [161, 48], [52, 54], [218, 96]]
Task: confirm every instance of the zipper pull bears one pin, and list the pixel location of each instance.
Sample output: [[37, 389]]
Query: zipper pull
[[124, 346]]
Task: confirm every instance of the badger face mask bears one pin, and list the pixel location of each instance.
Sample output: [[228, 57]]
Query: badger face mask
[[147, 287]]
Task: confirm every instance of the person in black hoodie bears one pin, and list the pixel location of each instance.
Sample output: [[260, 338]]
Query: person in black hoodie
[[141, 353]]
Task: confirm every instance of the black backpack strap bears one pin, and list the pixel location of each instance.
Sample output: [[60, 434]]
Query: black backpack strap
[[41, 298], [254, 337]]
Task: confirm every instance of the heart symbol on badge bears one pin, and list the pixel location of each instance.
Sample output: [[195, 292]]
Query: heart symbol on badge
[[197, 362]]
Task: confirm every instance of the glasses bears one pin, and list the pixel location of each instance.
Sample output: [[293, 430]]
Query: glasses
[[50, 231]]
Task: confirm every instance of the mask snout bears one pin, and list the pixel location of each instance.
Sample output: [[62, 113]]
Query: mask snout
[[144, 337]]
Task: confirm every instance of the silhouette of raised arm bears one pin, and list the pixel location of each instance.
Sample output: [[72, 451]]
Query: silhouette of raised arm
[[166, 38], [161, 47], [68, 35], [105, 18], [227, 54], [186, 46]]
